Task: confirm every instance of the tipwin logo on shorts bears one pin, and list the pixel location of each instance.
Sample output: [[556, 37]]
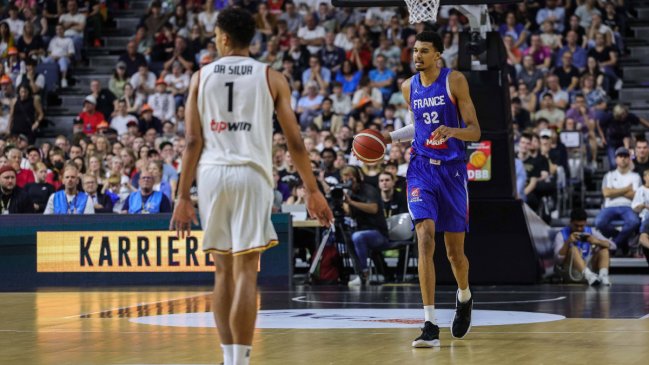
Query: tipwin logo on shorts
[[414, 195], [220, 127]]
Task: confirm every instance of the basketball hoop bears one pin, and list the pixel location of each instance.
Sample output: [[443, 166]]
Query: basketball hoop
[[422, 10]]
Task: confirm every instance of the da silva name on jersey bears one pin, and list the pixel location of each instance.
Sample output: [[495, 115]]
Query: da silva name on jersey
[[239, 70]]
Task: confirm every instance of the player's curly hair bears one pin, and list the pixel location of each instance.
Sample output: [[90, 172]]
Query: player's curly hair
[[238, 24], [431, 37]]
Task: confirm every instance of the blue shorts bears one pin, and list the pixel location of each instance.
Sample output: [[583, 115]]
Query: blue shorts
[[439, 192]]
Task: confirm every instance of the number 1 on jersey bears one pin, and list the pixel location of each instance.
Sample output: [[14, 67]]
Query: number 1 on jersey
[[230, 86]]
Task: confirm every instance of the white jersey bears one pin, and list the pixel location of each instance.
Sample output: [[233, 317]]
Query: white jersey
[[236, 110]]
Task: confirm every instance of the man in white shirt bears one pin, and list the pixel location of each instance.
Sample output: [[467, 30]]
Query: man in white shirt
[[35, 80], [377, 18], [342, 104], [618, 187], [549, 111], [177, 82], [312, 35], [60, 50], [559, 95], [162, 102], [121, 120], [143, 81], [74, 24], [15, 24]]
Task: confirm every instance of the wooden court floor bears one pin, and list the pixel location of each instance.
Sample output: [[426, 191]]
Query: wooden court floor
[[100, 326]]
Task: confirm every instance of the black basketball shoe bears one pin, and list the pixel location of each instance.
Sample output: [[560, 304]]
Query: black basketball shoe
[[462, 320], [429, 336]]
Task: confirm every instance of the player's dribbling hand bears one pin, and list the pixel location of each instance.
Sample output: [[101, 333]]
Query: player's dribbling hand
[[181, 220], [442, 133], [318, 208], [387, 137]]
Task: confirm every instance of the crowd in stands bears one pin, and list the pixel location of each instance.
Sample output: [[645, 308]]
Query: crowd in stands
[[344, 67], [564, 67]]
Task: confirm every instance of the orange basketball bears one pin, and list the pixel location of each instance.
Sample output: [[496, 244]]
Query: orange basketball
[[369, 146]]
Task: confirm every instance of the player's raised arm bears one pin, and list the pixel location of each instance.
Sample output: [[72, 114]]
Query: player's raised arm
[[406, 133], [460, 90], [184, 213], [316, 203]]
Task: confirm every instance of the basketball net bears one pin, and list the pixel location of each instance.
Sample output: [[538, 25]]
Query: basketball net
[[422, 10]]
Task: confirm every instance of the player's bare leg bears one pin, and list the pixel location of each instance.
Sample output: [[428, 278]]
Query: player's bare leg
[[454, 242], [222, 302], [455, 252], [426, 268], [243, 313]]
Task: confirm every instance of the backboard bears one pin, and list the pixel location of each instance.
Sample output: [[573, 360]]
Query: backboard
[[388, 3]]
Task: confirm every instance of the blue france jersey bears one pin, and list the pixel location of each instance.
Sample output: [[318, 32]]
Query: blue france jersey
[[433, 106]]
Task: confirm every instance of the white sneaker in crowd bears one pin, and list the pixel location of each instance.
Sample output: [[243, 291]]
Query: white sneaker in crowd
[[64, 83], [356, 281], [593, 280], [605, 280], [618, 85]]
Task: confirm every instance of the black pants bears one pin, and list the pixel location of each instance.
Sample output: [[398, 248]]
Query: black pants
[[543, 188]]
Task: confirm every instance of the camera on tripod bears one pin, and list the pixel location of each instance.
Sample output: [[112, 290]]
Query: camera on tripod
[[338, 234], [337, 197]]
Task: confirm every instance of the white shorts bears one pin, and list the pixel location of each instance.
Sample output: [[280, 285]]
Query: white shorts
[[235, 204]]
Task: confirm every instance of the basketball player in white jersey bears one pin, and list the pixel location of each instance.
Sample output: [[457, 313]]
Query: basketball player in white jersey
[[229, 138]]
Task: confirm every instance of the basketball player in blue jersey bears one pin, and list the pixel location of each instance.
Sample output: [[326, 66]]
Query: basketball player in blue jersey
[[444, 117]]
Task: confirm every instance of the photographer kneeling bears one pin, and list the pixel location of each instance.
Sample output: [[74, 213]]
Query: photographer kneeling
[[578, 246], [364, 204]]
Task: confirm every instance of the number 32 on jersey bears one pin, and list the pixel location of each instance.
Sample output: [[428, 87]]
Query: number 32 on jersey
[[431, 117]]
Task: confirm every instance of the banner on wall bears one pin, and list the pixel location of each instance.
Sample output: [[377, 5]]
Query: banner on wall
[[479, 165], [121, 251]]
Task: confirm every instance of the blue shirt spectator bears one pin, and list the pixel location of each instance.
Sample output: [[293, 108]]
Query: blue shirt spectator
[[317, 73], [553, 13], [517, 31], [382, 77], [521, 178], [312, 100], [579, 54], [348, 78]]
